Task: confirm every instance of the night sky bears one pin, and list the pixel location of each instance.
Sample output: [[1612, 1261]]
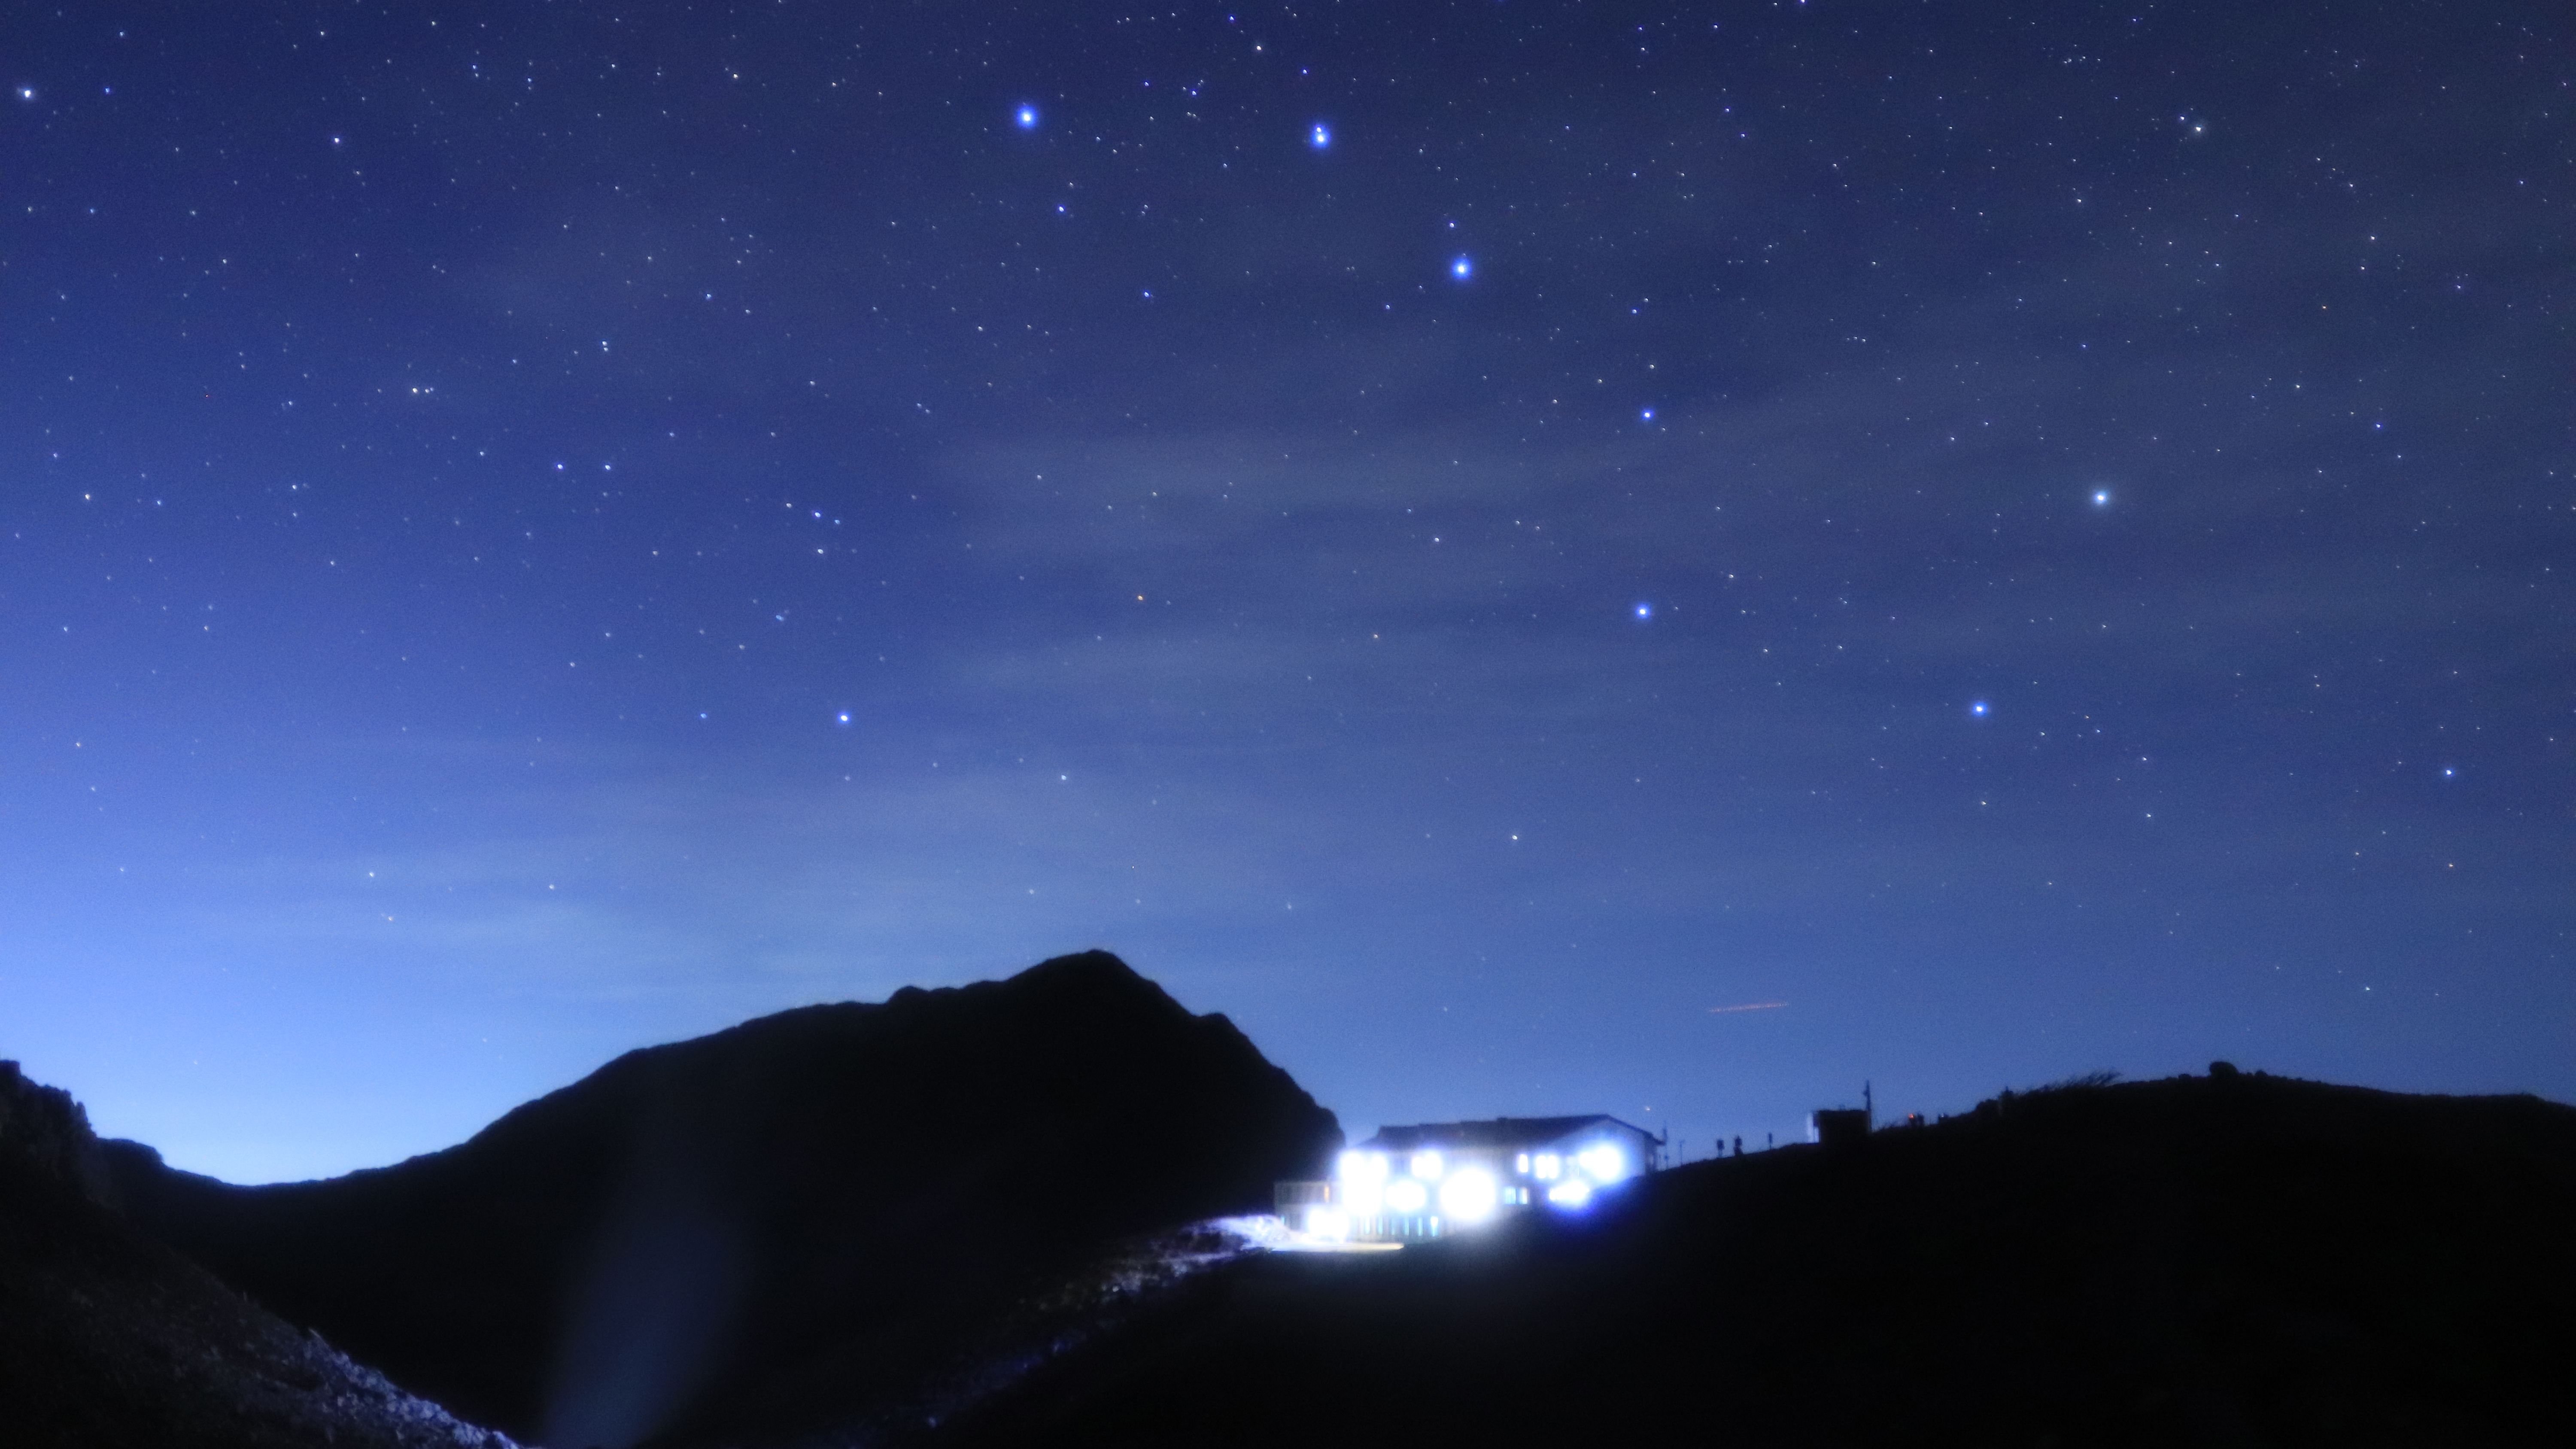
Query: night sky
[[1542, 557]]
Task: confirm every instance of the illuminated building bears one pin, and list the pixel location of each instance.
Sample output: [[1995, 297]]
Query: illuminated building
[[1411, 1184]]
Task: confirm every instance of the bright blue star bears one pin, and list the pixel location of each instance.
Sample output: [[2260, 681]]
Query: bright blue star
[[1648, 415], [1321, 137], [1644, 611], [2101, 497], [1978, 709], [1028, 118], [1462, 267], [845, 716]]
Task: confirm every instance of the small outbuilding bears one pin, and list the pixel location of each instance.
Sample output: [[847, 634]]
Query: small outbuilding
[[1843, 1126], [1838, 1126]]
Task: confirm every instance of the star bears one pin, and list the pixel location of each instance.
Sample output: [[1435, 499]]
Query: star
[[1027, 118], [2101, 497], [1978, 709], [1644, 610], [1462, 267], [1320, 137]]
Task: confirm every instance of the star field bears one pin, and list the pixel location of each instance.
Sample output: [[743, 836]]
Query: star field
[[1468, 537]]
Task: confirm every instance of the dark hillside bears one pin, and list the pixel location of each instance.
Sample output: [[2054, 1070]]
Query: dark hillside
[[109, 1339], [793, 1221], [2223, 1261]]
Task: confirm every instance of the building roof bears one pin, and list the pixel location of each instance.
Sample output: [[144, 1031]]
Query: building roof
[[1497, 1132]]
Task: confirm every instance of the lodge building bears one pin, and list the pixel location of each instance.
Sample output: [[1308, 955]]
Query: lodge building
[[1412, 1184]]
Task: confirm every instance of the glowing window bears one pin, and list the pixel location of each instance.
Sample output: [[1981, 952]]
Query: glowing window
[[1468, 1195], [1406, 1196], [1547, 1167], [1604, 1162], [1426, 1165], [1520, 1164]]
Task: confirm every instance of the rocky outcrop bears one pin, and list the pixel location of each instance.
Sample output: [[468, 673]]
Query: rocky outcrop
[[793, 1223], [107, 1337], [47, 1136]]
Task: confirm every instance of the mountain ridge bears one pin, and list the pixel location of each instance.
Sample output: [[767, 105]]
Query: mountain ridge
[[2236, 1259], [657, 1247]]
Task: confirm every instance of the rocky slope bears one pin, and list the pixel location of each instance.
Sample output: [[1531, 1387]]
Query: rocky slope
[[108, 1338], [804, 1220], [2232, 1260]]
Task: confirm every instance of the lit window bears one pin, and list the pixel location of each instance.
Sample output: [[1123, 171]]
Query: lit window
[[1468, 1195], [1547, 1167], [1406, 1196], [1604, 1162], [1426, 1165], [1520, 1164]]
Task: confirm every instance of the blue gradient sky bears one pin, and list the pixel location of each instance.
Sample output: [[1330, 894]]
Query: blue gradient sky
[[526, 533]]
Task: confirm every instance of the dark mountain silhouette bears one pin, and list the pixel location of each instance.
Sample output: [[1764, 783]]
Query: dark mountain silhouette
[[2235, 1260], [803, 1220], [108, 1338]]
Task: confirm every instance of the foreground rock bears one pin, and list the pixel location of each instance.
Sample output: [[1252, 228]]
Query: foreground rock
[[808, 1220], [2235, 1260], [109, 1338]]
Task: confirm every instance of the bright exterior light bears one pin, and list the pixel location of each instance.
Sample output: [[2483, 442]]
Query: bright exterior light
[[1604, 1163], [1572, 1194], [1328, 1223], [1363, 1181], [1468, 1195], [1406, 1196], [1548, 1167], [1426, 1165]]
